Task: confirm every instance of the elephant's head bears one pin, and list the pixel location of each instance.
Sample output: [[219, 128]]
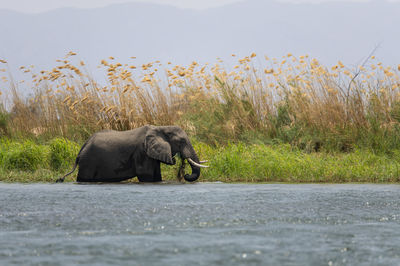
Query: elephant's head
[[162, 143]]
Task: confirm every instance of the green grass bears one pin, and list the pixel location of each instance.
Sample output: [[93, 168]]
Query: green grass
[[25, 156], [62, 153], [282, 163], [26, 161], [40, 175]]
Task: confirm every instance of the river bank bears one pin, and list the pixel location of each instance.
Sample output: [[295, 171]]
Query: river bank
[[27, 161]]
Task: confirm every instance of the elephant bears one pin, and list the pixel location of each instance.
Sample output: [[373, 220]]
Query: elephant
[[114, 156]]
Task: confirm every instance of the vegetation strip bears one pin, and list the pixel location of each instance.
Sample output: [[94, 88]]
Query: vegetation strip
[[263, 120], [30, 162]]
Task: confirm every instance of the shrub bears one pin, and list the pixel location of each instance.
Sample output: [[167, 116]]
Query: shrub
[[62, 153], [26, 156]]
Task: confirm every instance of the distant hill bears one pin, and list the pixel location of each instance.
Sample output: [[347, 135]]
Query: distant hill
[[331, 31]]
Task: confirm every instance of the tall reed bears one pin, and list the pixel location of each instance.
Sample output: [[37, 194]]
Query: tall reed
[[295, 100]]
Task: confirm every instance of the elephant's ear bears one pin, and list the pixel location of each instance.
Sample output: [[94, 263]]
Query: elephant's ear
[[157, 148]]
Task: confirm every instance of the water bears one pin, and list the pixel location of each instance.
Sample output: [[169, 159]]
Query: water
[[201, 224]]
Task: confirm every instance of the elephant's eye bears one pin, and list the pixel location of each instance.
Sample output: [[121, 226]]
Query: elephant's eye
[[170, 135], [178, 140], [172, 138]]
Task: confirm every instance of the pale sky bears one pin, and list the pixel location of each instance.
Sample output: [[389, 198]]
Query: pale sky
[[36, 6]]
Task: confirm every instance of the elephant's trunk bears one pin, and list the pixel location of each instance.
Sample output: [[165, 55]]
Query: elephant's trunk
[[195, 174], [189, 153]]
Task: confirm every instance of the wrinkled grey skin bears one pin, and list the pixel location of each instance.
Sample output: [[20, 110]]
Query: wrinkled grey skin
[[114, 156]]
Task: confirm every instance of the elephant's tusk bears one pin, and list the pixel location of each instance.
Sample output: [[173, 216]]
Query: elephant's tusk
[[203, 162], [196, 164]]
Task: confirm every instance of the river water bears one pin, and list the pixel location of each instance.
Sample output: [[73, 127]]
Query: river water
[[201, 224]]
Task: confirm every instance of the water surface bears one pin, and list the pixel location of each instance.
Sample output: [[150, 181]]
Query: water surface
[[202, 223]]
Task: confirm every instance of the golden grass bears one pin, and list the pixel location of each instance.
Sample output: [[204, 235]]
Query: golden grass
[[67, 101]]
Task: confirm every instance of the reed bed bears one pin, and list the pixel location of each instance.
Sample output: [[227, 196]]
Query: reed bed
[[293, 100]]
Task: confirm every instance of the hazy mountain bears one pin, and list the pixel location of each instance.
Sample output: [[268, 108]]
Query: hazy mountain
[[330, 31]]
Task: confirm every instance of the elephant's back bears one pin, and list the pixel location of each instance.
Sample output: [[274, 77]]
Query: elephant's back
[[110, 151], [112, 139]]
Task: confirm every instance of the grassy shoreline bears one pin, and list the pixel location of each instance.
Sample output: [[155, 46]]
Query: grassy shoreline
[[27, 162]]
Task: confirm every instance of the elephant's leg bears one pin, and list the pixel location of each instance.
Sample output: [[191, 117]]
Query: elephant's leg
[[87, 174], [153, 175], [79, 178], [96, 178], [157, 173]]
